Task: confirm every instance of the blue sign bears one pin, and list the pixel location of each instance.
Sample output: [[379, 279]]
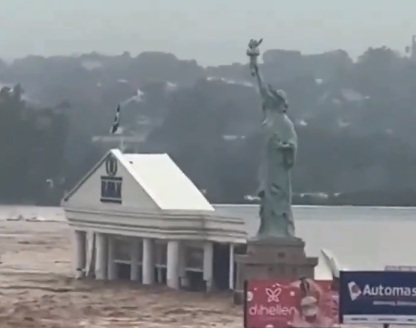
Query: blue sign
[[374, 297]]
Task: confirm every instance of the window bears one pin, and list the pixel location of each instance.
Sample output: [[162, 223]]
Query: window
[[111, 190], [194, 257]]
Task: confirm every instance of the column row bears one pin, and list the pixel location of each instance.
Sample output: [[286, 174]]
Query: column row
[[143, 258]]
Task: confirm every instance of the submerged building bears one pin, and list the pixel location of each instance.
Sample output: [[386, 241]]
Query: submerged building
[[138, 217]]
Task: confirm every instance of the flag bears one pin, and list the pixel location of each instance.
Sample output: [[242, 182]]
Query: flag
[[116, 122]]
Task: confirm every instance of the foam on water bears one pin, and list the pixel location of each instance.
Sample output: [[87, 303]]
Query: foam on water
[[49, 214]]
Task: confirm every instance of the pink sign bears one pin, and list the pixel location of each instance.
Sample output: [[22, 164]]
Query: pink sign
[[290, 304]]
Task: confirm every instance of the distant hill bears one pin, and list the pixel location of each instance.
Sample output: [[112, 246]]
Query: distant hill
[[355, 122]]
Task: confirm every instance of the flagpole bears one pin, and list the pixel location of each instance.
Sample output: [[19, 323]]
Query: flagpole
[[121, 145]]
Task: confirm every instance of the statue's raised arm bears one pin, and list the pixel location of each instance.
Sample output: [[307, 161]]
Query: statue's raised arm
[[253, 53], [278, 157]]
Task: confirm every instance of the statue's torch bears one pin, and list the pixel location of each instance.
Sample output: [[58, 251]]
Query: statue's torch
[[253, 52]]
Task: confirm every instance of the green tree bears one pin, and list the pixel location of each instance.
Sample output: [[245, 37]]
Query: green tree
[[31, 147]]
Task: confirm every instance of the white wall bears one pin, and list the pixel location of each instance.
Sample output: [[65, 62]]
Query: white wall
[[89, 194]]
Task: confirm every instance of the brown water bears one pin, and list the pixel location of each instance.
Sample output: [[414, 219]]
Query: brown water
[[37, 289]]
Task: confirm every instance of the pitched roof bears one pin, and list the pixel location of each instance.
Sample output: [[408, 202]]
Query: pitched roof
[[160, 178], [164, 181]]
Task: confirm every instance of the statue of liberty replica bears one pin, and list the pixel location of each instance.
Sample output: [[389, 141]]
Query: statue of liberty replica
[[275, 252], [278, 157]]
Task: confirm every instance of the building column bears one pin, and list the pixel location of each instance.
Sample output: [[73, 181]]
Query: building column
[[158, 257], [208, 264], [148, 262], [101, 256], [80, 253], [173, 264], [134, 259], [159, 272], [112, 268], [183, 277], [231, 268]]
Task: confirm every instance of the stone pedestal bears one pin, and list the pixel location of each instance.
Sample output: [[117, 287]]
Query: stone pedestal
[[282, 258]]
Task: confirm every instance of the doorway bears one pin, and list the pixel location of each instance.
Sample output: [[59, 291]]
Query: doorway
[[221, 266], [123, 271]]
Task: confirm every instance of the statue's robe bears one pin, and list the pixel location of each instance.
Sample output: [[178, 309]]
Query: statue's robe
[[275, 191]]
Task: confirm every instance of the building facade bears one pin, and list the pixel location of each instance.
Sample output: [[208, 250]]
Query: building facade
[[138, 217]]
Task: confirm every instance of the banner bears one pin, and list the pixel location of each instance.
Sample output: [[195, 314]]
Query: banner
[[374, 297], [290, 304]]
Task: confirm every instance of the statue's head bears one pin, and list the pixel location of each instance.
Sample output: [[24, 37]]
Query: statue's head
[[278, 99]]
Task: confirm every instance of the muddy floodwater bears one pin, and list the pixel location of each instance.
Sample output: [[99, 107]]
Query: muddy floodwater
[[37, 288]]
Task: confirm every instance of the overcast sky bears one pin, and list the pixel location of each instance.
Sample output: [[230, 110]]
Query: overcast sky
[[211, 31]]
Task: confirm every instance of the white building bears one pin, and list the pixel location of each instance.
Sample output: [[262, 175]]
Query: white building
[[138, 217]]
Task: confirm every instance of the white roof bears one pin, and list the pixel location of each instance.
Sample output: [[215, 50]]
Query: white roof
[[165, 183]]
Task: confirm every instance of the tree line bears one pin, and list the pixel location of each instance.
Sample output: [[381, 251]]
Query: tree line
[[355, 122]]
